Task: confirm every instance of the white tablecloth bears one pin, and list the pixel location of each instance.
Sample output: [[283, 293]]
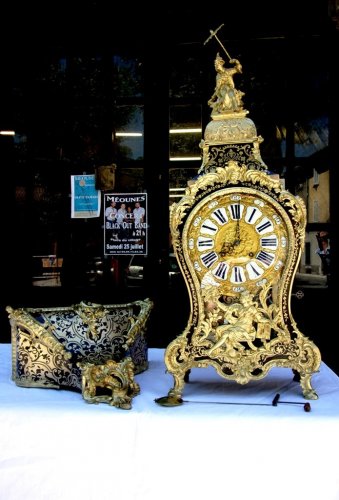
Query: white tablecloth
[[54, 445]]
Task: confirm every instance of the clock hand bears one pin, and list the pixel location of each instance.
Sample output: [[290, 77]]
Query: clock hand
[[226, 248], [237, 233]]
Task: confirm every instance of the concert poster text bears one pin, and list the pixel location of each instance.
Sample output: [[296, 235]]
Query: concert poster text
[[125, 224]]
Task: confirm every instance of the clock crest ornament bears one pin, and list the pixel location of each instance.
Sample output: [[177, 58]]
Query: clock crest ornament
[[238, 237]]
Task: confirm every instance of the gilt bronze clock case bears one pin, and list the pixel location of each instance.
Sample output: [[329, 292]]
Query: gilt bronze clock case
[[238, 237]]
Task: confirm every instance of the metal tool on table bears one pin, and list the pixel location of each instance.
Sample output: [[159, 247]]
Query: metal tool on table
[[275, 402]]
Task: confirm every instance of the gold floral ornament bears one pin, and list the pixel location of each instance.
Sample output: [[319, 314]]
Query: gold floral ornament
[[112, 383], [239, 326], [91, 315]]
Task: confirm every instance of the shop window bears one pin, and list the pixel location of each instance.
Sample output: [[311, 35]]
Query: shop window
[[128, 135], [127, 77], [185, 132]]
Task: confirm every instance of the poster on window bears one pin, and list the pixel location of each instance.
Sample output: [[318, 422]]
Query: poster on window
[[125, 224], [86, 199]]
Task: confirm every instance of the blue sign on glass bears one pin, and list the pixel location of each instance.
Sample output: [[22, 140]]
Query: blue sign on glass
[[85, 197]]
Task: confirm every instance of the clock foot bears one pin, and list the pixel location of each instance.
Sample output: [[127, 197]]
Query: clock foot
[[169, 401], [308, 391], [310, 394]]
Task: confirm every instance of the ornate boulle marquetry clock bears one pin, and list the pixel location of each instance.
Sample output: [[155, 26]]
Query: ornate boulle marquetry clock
[[238, 237]]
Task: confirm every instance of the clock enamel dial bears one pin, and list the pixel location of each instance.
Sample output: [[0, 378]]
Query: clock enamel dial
[[236, 240]]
